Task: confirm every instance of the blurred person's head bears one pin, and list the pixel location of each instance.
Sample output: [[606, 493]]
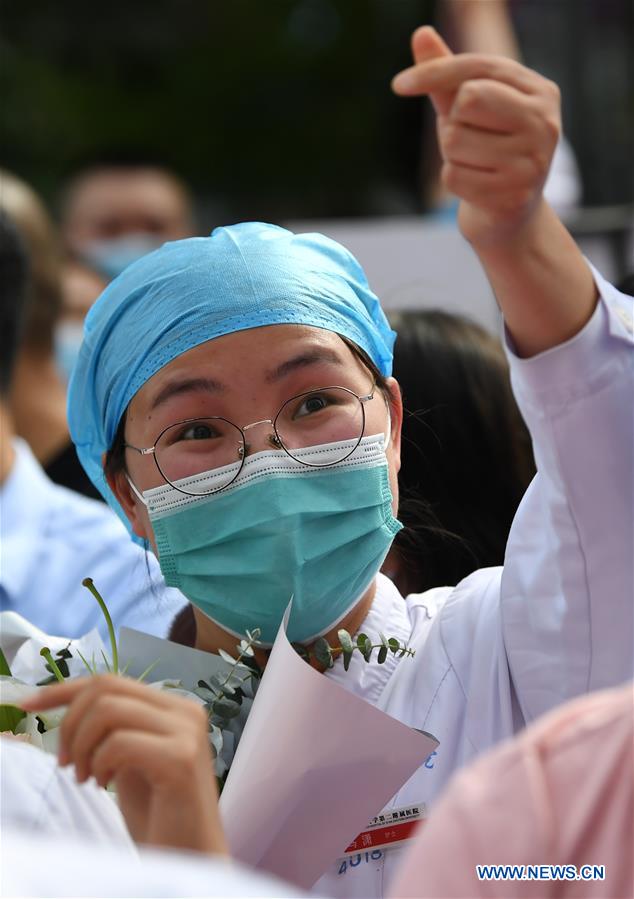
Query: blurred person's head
[[466, 456], [117, 209], [14, 272], [38, 391], [44, 301], [14, 279]]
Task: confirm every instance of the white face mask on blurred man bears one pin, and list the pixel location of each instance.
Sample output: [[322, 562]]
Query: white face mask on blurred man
[[116, 213]]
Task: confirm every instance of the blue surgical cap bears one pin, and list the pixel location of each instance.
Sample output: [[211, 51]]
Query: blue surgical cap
[[190, 291]]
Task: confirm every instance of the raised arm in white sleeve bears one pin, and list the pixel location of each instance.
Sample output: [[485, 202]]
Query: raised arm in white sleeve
[[568, 580], [567, 587]]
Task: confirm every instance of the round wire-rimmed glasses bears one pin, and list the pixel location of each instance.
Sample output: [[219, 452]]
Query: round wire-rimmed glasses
[[212, 450]]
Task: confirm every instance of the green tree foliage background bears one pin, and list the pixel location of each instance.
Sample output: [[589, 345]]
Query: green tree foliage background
[[282, 108], [276, 107]]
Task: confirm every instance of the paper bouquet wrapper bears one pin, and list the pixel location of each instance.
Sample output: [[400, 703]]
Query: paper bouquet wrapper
[[314, 765]]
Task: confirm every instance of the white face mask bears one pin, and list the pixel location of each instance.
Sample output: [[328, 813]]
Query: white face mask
[[280, 530], [111, 257], [67, 343]]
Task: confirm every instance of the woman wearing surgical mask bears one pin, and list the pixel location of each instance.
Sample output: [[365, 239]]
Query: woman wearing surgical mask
[[233, 402]]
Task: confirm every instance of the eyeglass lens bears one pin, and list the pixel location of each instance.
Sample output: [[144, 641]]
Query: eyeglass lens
[[214, 445]]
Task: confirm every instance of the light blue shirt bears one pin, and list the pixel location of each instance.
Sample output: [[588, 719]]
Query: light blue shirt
[[52, 538]]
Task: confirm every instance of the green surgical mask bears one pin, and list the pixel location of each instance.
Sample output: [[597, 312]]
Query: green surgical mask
[[280, 530]]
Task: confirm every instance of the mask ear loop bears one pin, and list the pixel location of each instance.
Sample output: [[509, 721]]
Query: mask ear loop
[[136, 492], [389, 426]]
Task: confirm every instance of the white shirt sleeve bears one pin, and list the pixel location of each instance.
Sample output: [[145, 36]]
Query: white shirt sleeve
[[568, 583], [39, 797], [563, 188], [63, 866]]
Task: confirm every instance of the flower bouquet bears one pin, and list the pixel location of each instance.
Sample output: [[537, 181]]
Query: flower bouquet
[[303, 762]]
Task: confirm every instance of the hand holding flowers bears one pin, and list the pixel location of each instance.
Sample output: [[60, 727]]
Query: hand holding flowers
[[152, 745]]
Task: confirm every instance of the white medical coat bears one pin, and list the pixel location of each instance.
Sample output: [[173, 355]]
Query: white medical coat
[[508, 644]]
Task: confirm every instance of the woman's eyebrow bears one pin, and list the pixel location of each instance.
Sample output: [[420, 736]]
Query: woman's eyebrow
[[189, 385], [303, 360]]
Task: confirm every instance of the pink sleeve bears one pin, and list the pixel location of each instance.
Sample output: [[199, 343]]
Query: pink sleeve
[[562, 793], [494, 813]]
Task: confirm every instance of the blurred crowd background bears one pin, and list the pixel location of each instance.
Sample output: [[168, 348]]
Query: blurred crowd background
[[282, 110]]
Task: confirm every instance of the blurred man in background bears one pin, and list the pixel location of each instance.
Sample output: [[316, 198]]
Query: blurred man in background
[[50, 340], [52, 538], [116, 210]]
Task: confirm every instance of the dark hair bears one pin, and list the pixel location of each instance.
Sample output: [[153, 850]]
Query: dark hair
[[466, 456], [627, 284], [14, 272], [44, 289]]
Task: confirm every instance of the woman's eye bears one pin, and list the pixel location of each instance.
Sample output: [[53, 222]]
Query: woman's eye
[[198, 431], [311, 404]]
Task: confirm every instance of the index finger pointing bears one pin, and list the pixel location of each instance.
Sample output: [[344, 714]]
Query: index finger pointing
[[446, 74]]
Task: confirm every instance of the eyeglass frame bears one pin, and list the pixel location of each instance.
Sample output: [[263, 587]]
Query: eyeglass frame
[[274, 438]]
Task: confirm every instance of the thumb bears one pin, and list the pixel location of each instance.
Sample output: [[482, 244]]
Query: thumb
[[427, 44]]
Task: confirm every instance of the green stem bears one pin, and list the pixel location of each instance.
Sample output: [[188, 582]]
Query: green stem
[[46, 653], [88, 582]]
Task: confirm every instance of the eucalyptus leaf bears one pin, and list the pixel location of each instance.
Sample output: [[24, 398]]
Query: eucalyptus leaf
[[205, 694], [347, 658], [393, 644], [383, 639], [229, 659], [245, 649], [345, 641], [367, 650], [323, 652], [226, 708], [382, 656], [362, 640]]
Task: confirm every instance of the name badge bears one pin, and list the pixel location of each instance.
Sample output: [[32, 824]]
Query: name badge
[[390, 828]]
